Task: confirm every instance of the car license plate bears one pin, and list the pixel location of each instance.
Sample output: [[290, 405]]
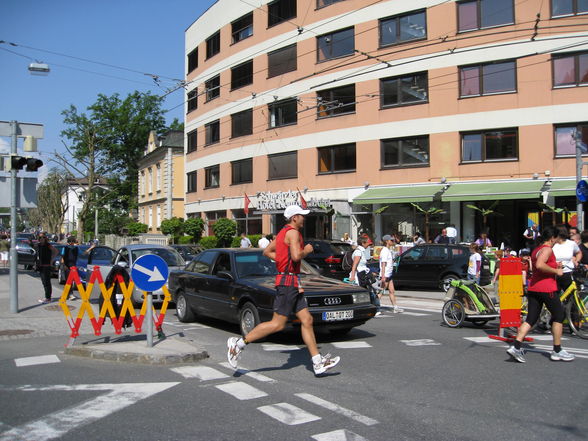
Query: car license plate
[[337, 315]]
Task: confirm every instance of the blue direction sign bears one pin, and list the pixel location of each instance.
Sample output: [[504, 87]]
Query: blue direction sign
[[582, 191], [149, 272]]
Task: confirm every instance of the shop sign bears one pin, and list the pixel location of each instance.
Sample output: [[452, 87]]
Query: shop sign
[[267, 201]]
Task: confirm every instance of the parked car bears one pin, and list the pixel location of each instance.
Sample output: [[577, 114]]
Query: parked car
[[436, 265], [27, 255], [237, 285], [188, 251], [81, 263], [56, 262], [327, 257], [126, 257]]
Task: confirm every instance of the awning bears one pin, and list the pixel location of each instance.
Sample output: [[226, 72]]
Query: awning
[[397, 195], [487, 191], [566, 187]]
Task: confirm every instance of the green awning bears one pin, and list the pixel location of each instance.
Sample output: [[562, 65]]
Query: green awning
[[566, 187], [487, 191], [397, 195]]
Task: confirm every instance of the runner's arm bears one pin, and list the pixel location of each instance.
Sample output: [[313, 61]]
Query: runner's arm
[[292, 240]]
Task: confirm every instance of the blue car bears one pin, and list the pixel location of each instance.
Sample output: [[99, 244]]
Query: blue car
[[101, 255]]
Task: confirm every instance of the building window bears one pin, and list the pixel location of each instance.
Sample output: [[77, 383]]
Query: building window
[[158, 216], [192, 60], [142, 182], [281, 61], [212, 176], [565, 138], [191, 182], [405, 152], [212, 87], [570, 70], [323, 3], [242, 123], [402, 28], [242, 75], [212, 132], [407, 89], [487, 79], [150, 181], [479, 14], [336, 159], [560, 8], [213, 45], [279, 11], [158, 177], [283, 113], [191, 141], [242, 171], [335, 45], [242, 28], [192, 100], [150, 219], [490, 145], [337, 101], [283, 165]]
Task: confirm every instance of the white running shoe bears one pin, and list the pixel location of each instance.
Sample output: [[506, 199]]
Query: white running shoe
[[327, 362], [517, 354], [233, 352], [378, 313], [397, 309], [562, 355]]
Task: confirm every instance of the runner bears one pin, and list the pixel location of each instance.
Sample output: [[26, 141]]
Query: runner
[[287, 250]]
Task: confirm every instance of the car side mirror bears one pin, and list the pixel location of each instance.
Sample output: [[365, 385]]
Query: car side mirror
[[225, 275]]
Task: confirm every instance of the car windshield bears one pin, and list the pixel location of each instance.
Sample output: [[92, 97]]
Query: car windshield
[[82, 256], [170, 256], [256, 264], [340, 247]]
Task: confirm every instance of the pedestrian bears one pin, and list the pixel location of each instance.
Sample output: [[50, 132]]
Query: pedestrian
[[483, 241], [584, 247], [245, 242], [568, 254], [287, 251], [69, 258], [4, 250], [265, 241], [347, 239], [475, 263], [360, 272], [543, 291], [386, 271], [442, 237], [45, 255], [417, 239], [531, 235], [452, 233]]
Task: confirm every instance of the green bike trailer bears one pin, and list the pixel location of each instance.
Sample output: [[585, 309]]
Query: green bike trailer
[[467, 301]]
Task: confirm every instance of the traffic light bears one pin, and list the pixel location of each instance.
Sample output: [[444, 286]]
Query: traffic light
[[33, 164], [19, 162]]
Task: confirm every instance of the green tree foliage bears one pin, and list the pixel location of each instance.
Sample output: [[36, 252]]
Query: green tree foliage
[[136, 228], [194, 227], [209, 242], [183, 240], [176, 125], [110, 221], [173, 226], [51, 205], [428, 213], [224, 229]]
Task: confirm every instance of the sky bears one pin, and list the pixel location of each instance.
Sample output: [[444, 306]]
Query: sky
[[141, 36]]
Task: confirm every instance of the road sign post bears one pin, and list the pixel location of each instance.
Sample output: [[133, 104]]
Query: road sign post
[[149, 273]]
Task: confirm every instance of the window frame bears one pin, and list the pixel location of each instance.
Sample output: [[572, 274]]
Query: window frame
[[326, 3], [210, 41], [332, 149], [208, 171], [207, 133], [234, 73], [483, 152], [575, 56], [192, 100], [479, 16], [397, 18], [281, 154], [235, 120], [572, 14], [399, 79], [191, 182], [575, 125], [238, 31], [192, 60], [192, 141], [331, 36], [272, 107], [239, 163], [271, 14], [384, 166], [271, 73], [481, 74], [331, 99], [214, 91]]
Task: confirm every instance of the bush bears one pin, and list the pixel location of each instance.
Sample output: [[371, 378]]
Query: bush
[[194, 227], [136, 228], [209, 242], [183, 240], [225, 229]]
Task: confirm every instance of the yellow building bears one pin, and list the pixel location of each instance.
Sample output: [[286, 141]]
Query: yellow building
[[161, 187]]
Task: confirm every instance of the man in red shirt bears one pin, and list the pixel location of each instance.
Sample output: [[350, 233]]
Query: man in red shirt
[[287, 250]]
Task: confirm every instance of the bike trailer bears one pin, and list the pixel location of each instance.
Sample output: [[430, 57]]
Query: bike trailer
[[467, 301]]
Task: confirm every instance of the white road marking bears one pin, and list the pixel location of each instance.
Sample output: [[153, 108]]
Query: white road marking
[[288, 414], [196, 326], [422, 342], [277, 347], [241, 391], [31, 361], [248, 373], [203, 373], [337, 409], [338, 435], [351, 344], [56, 424], [580, 353], [414, 314], [492, 340]]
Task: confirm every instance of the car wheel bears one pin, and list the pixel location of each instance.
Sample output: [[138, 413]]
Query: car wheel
[[446, 281], [183, 310], [248, 318], [453, 313]]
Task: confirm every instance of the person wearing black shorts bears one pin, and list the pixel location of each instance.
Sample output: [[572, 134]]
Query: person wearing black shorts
[[287, 250]]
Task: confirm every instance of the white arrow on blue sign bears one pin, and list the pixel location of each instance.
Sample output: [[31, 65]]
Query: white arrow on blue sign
[[149, 272]]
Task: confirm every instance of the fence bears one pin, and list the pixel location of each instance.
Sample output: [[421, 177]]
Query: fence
[[114, 241]]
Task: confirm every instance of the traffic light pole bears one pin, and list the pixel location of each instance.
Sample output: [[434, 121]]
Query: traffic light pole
[[13, 253], [579, 167]]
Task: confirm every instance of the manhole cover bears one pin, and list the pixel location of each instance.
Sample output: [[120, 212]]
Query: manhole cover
[[16, 332]]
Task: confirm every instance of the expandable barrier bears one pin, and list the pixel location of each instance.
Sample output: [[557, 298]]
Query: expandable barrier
[[510, 292], [107, 305]]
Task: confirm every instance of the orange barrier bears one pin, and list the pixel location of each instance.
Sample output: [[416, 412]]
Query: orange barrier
[[107, 305]]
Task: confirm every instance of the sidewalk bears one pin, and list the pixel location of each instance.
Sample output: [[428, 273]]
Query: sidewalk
[[40, 320]]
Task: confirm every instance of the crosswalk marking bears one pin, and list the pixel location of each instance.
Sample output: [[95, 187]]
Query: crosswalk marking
[[248, 373], [241, 391], [337, 409], [288, 414], [338, 435], [278, 347], [31, 361], [203, 373], [421, 342], [415, 314], [351, 344]]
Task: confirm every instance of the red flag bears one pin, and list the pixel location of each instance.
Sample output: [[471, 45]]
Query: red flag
[[247, 202], [302, 200]]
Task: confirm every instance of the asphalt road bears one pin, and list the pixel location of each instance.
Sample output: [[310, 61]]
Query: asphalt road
[[402, 377]]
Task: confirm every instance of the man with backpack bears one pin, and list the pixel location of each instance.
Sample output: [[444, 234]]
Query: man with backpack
[[69, 258]]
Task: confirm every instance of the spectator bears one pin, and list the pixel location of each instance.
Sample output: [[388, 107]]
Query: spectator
[[4, 249], [386, 270], [584, 247], [265, 241], [475, 263], [531, 235], [245, 242], [417, 239], [452, 233], [442, 237], [568, 254], [69, 258], [483, 241], [45, 255], [347, 239]]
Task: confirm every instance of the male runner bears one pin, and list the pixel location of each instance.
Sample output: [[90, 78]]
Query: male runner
[[287, 250]]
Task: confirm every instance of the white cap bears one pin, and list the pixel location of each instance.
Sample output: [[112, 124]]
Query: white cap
[[513, 253], [293, 210]]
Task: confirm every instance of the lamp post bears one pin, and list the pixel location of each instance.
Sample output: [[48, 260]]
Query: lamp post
[[580, 148]]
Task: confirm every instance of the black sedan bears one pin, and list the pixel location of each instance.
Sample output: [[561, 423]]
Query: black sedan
[[237, 285]]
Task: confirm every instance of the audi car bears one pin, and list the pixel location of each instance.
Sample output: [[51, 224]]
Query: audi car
[[237, 285]]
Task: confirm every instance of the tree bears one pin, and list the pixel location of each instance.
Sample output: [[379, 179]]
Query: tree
[[485, 212], [51, 204], [429, 212], [176, 125], [194, 227], [225, 229], [554, 212], [136, 228], [173, 226]]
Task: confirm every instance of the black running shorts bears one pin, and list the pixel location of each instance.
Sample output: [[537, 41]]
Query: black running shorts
[[288, 300]]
